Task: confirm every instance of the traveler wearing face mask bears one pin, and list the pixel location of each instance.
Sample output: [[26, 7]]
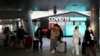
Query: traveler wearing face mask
[[89, 42], [76, 36], [54, 34]]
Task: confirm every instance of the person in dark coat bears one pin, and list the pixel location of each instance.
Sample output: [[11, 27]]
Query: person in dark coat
[[20, 35], [89, 42], [38, 35], [12, 39]]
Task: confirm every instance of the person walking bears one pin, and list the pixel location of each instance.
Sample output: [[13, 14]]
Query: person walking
[[54, 34], [89, 42], [76, 36], [38, 35]]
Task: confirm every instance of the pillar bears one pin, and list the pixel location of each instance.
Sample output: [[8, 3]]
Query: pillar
[[95, 19], [30, 24]]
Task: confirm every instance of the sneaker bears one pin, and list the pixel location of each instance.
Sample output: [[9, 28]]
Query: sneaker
[[53, 51]]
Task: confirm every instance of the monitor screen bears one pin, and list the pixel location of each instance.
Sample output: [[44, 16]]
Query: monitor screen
[[70, 28]]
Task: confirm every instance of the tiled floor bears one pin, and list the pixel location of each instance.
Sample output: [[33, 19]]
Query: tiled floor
[[5, 51]]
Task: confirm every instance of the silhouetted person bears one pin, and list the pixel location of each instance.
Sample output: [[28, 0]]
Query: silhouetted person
[[38, 35], [6, 32], [20, 35], [13, 39]]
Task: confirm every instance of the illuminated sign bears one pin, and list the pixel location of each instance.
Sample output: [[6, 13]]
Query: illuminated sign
[[44, 30], [78, 18], [58, 18], [67, 18]]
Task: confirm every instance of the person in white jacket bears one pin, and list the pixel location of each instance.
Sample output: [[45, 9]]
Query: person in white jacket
[[76, 36]]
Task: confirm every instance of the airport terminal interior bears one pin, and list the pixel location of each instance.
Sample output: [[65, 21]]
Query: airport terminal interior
[[32, 14]]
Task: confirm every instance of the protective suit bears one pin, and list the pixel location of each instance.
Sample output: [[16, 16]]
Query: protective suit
[[76, 36]]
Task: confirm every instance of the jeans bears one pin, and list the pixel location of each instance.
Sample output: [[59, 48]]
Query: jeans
[[41, 43]]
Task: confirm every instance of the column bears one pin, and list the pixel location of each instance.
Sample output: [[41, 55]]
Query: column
[[30, 24], [95, 19]]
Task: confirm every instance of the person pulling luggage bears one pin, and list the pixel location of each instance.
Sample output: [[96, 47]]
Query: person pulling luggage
[[54, 34]]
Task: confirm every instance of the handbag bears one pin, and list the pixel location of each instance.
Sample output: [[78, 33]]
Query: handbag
[[95, 41]]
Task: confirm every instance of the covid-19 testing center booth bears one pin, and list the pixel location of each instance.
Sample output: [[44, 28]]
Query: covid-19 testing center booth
[[67, 22], [22, 18]]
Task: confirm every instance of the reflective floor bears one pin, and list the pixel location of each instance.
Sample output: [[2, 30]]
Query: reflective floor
[[7, 51]]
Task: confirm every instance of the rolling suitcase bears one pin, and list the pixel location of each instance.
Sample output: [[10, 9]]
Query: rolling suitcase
[[36, 45], [62, 47], [28, 42]]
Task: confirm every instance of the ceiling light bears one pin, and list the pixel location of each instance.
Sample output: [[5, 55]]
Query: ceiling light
[[19, 9]]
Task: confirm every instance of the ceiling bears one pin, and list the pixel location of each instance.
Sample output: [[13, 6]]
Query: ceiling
[[82, 5], [14, 5], [17, 8]]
